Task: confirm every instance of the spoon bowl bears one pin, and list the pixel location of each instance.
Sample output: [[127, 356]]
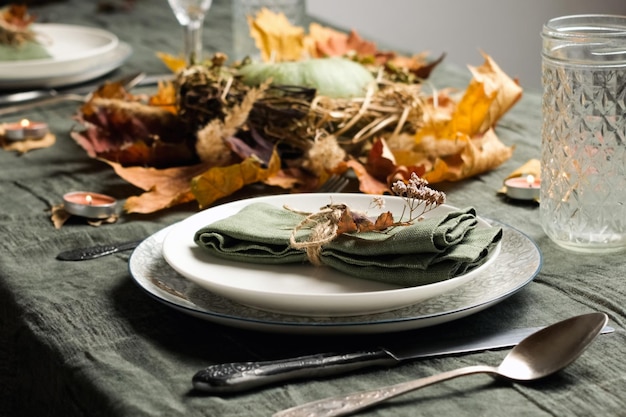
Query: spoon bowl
[[541, 354]]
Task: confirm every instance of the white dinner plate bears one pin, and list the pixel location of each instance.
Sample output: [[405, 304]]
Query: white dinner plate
[[77, 54], [300, 288], [518, 263]]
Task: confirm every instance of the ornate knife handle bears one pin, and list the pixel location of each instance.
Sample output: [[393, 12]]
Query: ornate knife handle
[[241, 376]]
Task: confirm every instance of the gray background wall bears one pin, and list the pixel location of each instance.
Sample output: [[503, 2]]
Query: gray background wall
[[507, 30]]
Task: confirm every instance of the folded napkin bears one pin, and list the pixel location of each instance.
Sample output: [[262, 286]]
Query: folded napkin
[[428, 251]]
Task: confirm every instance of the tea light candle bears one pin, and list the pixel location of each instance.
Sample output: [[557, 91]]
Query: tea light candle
[[25, 129], [523, 188], [90, 205]]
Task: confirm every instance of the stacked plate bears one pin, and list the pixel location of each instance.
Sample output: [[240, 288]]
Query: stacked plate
[[303, 298], [77, 54]]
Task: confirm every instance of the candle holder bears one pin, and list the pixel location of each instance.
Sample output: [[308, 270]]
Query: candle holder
[[90, 205], [525, 187], [25, 129]]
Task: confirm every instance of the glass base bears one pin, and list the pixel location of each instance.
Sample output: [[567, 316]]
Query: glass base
[[612, 244]]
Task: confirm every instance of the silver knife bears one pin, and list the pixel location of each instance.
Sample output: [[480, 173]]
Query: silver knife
[[236, 377], [22, 101], [93, 252]]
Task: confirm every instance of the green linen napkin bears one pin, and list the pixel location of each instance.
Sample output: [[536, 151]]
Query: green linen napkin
[[428, 251], [29, 50]]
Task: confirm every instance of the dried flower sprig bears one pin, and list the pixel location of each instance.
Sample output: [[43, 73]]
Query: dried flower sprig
[[419, 197]]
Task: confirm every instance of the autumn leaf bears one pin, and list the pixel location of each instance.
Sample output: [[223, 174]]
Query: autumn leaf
[[508, 91], [356, 222], [165, 97], [295, 179], [482, 153], [489, 95], [17, 15], [530, 167], [368, 184], [346, 223], [330, 42], [163, 188], [289, 179], [416, 64], [275, 37], [380, 161], [173, 63], [133, 133], [220, 182], [322, 42], [457, 142]]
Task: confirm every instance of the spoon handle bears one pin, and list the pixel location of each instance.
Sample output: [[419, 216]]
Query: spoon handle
[[350, 403]]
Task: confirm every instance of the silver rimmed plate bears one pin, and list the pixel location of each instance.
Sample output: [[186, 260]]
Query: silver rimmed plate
[[517, 264], [77, 54], [300, 288]]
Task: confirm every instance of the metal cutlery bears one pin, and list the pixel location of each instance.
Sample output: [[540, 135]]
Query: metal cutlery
[[237, 377], [539, 355], [93, 252], [27, 100]]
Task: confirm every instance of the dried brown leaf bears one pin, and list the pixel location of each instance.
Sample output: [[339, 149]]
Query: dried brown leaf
[[163, 188]]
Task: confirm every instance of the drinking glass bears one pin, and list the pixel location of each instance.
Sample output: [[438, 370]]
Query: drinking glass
[[583, 187], [190, 14]]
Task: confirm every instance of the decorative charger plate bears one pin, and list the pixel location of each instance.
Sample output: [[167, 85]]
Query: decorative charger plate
[[300, 288], [78, 54], [517, 264]]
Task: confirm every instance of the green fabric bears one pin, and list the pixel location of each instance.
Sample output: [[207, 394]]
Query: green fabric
[[30, 50], [82, 339], [428, 251]]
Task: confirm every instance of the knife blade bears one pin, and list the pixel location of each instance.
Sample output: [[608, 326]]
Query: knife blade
[[81, 90], [22, 101], [93, 252], [237, 377]]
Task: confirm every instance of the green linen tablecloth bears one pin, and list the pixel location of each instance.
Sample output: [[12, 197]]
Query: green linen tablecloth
[[81, 339]]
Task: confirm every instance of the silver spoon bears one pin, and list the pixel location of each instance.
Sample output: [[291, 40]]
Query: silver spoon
[[540, 354]]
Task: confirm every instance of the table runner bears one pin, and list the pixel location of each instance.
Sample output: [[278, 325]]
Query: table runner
[[81, 339]]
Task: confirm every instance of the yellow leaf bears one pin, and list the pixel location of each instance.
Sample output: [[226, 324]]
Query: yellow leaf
[[458, 141], [491, 93], [172, 62], [277, 39], [165, 97], [473, 110], [220, 182]]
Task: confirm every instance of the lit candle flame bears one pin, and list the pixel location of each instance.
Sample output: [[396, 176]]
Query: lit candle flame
[[530, 180], [24, 122], [88, 199]]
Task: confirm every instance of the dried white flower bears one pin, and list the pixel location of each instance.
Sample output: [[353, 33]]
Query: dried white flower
[[418, 196]]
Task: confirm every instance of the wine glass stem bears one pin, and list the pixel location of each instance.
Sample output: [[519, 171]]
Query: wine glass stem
[[193, 42]]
